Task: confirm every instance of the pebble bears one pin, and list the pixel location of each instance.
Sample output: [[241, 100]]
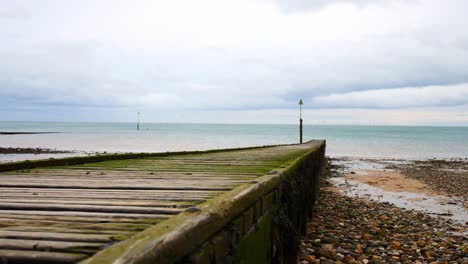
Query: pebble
[[355, 230]]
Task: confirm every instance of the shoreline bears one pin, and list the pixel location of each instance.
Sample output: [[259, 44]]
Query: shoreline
[[397, 159]]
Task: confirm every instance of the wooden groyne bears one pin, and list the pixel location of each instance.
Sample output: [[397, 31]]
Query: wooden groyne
[[232, 206]]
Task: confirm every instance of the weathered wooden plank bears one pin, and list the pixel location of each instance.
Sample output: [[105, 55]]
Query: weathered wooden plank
[[124, 193], [87, 214], [71, 229], [126, 184], [71, 237], [44, 193], [200, 187], [76, 219], [81, 222], [112, 197], [38, 257], [15, 224], [90, 208], [44, 245], [117, 183], [114, 194], [220, 170], [154, 177], [116, 202], [139, 192], [97, 174]]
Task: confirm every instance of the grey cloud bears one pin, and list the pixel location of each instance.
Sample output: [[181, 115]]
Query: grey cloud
[[77, 58], [13, 11], [292, 6], [409, 97]]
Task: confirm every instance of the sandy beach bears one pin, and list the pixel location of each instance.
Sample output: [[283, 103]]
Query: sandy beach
[[390, 211]]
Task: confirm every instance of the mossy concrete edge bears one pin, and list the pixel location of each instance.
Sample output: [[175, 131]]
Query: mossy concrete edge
[[169, 241]]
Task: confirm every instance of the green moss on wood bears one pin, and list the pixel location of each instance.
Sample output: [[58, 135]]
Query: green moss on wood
[[199, 226]]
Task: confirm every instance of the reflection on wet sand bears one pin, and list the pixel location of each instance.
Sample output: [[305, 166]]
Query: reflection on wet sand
[[373, 181]]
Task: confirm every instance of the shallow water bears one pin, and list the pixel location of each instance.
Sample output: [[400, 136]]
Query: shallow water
[[352, 141]]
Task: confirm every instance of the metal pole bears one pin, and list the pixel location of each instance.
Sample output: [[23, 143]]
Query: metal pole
[[300, 134], [300, 121]]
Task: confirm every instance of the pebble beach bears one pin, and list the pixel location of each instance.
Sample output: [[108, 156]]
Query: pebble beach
[[353, 229]]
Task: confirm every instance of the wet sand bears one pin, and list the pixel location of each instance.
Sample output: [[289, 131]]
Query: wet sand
[[390, 181]]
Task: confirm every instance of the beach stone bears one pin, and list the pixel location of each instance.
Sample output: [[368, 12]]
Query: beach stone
[[356, 230], [421, 243], [327, 251], [339, 256], [396, 244], [310, 259], [330, 240], [360, 258], [464, 249], [371, 251], [348, 259], [375, 259]]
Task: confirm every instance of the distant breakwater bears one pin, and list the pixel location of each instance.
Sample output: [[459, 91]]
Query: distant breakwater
[[31, 151], [26, 133]]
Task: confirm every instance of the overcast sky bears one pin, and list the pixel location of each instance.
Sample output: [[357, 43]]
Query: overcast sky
[[243, 61]]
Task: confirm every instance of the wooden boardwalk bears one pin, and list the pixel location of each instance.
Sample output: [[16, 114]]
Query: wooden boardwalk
[[65, 214]]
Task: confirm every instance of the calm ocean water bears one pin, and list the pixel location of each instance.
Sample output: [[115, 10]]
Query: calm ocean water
[[354, 141]]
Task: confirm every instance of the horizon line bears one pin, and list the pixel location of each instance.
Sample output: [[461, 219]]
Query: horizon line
[[234, 123]]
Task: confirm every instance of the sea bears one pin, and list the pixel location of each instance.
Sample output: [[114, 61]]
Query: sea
[[400, 142]]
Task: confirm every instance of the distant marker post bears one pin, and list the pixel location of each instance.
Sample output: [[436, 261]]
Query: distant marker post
[[300, 121], [138, 123]]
